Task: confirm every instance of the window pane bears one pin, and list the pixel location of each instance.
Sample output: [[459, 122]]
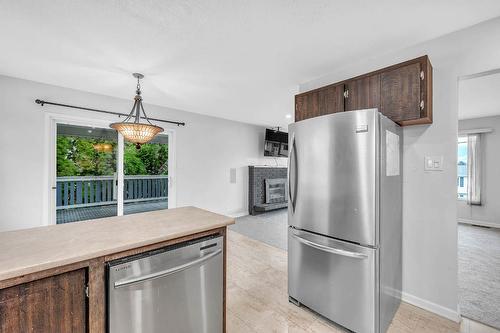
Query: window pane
[[462, 169], [145, 185], [86, 173]]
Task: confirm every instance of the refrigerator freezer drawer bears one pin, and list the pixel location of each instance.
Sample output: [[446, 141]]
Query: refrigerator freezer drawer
[[334, 278]]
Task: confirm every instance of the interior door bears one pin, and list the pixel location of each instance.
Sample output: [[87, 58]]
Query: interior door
[[332, 175]]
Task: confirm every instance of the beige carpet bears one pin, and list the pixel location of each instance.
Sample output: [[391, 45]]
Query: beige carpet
[[479, 273]]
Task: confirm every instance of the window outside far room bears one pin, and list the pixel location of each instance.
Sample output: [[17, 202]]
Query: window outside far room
[[462, 168]]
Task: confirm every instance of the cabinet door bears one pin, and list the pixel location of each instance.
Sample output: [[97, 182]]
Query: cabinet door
[[331, 99], [55, 304], [300, 107], [401, 92], [306, 106], [363, 93]]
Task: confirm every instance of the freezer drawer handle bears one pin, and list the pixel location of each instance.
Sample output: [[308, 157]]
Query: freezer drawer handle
[[330, 249], [160, 274]]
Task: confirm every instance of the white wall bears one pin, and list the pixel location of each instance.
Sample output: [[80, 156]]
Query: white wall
[[429, 203], [489, 211], [206, 149]]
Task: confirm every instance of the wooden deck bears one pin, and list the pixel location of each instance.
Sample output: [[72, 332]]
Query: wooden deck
[[90, 213]]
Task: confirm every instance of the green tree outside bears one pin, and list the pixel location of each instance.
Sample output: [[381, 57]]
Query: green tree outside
[[151, 159], [77, 156]]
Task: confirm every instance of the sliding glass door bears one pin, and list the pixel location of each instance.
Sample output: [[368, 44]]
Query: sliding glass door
[[98, 175], [86, 177], [146, 176]]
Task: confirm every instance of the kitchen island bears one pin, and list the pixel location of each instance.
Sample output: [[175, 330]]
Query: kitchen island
[[53, 278]]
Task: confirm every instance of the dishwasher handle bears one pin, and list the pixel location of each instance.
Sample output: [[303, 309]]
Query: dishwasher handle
[[160, 274]]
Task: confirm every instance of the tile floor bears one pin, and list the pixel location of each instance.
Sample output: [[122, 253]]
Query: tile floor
[[257, 300]]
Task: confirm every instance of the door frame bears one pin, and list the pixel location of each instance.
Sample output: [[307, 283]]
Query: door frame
[[50, 163]]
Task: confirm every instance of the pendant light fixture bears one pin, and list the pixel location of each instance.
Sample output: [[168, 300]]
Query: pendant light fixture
[[131, 128]]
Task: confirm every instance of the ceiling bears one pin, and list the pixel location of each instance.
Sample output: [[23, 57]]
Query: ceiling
[[235, 59], [478, 96]]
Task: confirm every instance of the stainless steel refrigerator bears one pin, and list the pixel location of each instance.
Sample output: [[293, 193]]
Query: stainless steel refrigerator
[[345, 218]]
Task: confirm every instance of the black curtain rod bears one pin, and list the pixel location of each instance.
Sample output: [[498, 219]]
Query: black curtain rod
[[42, 103]]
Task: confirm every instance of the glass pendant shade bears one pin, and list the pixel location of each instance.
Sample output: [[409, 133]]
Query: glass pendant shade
[[131, 128], [137, 133]]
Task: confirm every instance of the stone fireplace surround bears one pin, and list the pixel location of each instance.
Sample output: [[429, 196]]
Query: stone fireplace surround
[[257, 188]]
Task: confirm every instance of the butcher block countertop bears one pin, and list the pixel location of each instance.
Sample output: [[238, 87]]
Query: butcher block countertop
[[33, 250]]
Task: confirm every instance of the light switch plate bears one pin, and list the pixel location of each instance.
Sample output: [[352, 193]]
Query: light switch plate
[[433, 163]]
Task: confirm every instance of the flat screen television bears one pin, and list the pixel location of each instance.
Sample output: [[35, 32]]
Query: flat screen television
[[276, 143]]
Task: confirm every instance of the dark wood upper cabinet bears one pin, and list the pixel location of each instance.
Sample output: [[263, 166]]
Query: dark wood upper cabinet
[[300, 107], [416, 109], [331, 99], [363, 93], [306, 106], [56, 304], [402, 92]]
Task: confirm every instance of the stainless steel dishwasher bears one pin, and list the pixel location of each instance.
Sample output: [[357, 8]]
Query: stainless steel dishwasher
[[177, 289]]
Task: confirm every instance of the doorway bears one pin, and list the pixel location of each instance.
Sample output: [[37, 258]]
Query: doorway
[[478, 194], [94, 173]]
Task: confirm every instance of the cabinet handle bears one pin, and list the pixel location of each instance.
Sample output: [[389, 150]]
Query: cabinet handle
[[422, 75], [422, 105], [346, 94]]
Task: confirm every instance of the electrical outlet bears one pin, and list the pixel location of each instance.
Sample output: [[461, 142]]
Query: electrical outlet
[[433, 163]]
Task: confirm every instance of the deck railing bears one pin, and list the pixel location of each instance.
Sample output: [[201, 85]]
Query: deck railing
[[75, 192]]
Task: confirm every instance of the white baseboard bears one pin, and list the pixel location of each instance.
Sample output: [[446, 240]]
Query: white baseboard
[[238, 214], [431, 307], [477, 222]]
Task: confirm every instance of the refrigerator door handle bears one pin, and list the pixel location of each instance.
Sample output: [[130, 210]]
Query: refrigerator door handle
[[330, 249], [294, 154]]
